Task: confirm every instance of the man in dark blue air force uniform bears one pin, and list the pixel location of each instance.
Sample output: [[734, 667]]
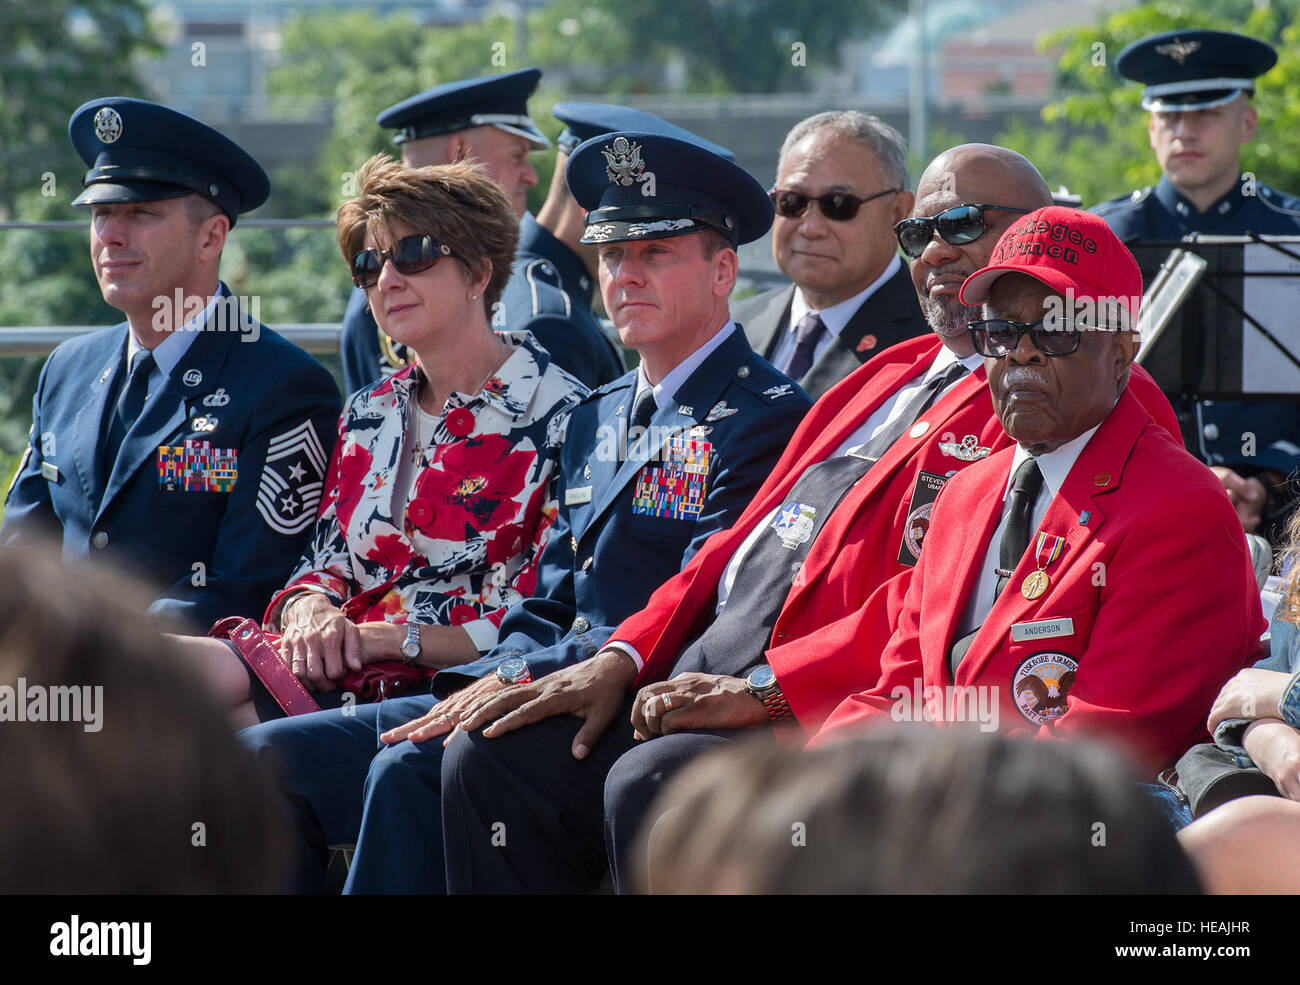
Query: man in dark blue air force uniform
[[652, 465], [485, 120], [188, 444], [1198, 88]]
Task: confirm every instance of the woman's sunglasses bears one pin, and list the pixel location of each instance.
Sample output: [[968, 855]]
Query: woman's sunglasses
[[410, 255], [997, 337], [957, 226], [836, 206]]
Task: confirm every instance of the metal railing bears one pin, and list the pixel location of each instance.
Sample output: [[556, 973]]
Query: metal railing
[[318, 338]]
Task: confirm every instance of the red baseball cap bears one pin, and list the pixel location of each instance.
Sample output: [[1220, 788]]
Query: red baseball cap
[[1071, 251]]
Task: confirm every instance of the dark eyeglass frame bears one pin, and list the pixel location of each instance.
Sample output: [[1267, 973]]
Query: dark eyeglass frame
[[835, 206], [410, 255], [947, 227], [1048, 341]]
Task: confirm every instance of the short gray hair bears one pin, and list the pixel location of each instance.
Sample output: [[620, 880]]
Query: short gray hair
[[875, 134]]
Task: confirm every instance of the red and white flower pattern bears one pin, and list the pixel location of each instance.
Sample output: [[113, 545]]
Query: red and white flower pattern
[[468, 545]]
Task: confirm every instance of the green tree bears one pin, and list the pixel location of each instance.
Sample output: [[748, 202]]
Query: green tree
[[1095, 141], [55, 55]]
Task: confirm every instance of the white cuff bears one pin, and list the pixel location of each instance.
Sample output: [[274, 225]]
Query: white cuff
[[629, 649]]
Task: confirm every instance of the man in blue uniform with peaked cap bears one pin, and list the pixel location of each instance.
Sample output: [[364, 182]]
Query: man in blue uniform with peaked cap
[[1198, 88], [189, 444]]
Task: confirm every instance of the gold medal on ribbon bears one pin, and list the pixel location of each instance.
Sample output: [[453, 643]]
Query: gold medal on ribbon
[[1045, 552], [1035, 584]]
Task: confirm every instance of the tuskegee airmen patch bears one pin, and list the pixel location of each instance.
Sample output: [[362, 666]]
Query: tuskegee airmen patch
[[1041, 684], [924, 494], [292, 479], [675, 488]]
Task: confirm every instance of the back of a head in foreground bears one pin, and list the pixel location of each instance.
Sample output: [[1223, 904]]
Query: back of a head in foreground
[[914, 810], [139, 786]]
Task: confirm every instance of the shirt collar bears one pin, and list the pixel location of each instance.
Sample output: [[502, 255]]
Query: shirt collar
[[946, 357], [839, 315], [171, 350], [1055, 465], [679, 374], [1173, 200]]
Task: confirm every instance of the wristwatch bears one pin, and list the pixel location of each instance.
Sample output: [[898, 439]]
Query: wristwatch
[[514, 670], [763, 685], [411, 645]]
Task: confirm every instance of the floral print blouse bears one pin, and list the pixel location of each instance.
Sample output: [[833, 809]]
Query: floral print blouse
[[476, 521]]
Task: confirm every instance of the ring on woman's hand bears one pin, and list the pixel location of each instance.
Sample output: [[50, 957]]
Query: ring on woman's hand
[[668, 702]]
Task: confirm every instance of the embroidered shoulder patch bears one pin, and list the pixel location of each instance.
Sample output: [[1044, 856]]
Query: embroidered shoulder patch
[[293, 476]]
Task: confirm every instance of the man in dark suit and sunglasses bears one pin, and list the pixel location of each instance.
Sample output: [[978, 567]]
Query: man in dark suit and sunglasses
[[840, 188]]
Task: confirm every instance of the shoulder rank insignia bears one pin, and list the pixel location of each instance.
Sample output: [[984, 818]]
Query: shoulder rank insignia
[[719, 411], [968, 450]]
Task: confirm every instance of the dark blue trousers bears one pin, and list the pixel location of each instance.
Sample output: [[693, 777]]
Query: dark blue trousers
[[344, 786]]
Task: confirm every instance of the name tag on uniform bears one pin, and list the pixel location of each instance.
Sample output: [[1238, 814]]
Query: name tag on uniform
[[576, 497], [49, 471], [1041, 629]]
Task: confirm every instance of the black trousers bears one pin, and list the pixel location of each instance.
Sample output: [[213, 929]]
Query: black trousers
[[521, 815]]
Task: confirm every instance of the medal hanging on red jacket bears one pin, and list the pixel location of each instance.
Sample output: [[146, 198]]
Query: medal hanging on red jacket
[[1036, 582]]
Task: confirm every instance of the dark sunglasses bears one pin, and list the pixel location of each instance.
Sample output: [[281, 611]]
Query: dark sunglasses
[[997, 337], [410, 255], [836, 206], [957, 226]]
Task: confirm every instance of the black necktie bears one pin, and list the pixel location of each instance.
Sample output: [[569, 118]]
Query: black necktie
[[736, 641], [129, 405], [1015, 535], [1025, 487], [643, 410], [807, 334]]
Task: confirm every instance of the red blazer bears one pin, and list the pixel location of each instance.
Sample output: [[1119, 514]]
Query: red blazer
[[857, 550], [1155, 579]]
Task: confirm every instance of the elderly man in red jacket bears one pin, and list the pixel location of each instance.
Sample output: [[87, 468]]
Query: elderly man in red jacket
[[844, 510], [1094, 578]]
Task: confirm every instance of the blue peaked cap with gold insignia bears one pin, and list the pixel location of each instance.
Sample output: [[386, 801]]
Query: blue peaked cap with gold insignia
[[139, 151], [637, 185], [1186, 70], [586, 120], [499, 101]]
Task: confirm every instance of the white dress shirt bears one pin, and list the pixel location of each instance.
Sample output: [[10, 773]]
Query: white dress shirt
[[835, 318], [168, 353]]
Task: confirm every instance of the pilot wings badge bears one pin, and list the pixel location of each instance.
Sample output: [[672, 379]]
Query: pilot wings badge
[[1178, 49], [968, 450], [623, 162]]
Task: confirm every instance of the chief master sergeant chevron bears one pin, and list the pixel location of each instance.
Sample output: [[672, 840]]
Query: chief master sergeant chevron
[[190, 442], [1198, 88]]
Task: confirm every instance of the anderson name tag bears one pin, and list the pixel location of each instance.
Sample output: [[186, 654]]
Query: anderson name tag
[[576, 497], [1042, 629]]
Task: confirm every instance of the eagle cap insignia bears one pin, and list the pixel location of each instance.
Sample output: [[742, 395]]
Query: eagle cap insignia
[[623, 164], [968, 449], [1178, 49], [108, 125]]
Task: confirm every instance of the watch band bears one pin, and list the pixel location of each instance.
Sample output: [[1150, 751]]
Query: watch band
[[778, 709]]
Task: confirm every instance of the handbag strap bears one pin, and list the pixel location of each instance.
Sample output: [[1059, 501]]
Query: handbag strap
[[258, 650]]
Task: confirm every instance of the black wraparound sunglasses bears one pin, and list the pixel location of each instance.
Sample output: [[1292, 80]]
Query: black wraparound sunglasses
[[957, 226], [410, 255], [997, 337], [836, 206]]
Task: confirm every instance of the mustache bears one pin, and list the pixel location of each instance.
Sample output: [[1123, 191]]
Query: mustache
[[1023, 378]]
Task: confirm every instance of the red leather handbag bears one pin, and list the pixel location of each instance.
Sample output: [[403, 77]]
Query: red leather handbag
[[261, 651]]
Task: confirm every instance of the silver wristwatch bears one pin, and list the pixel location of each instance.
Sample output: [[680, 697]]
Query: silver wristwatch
[[411, 645], [514, 670]]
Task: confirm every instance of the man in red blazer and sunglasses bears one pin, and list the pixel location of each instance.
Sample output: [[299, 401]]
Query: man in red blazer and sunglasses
[[1094, 578], [844, 510]]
